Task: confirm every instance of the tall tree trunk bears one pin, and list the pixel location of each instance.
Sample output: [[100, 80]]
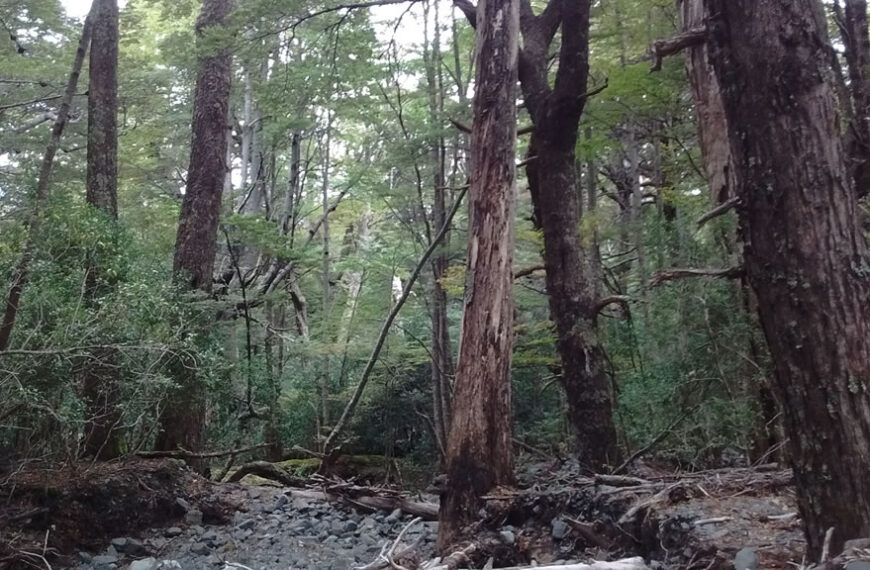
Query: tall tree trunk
[[479, 448], [183, 417], [442, 360], [22, 268], [804, 253], [325, 277], [570, 275], [99, 373]]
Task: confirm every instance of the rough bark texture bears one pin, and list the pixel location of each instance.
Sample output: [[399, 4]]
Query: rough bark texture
[[570, 277], [708, 107], [804, 253], [183, 417], [22, 268], [99, 374], [479, 449]]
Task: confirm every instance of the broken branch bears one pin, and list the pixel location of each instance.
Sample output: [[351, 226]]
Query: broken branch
[[670, 46]]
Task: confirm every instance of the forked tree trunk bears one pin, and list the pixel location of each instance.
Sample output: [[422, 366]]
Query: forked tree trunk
[[183, 416], [570, 276], [804, 253], [479, 448], [99, 373]]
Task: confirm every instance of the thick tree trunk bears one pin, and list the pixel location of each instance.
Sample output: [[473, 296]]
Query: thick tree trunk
[[479, 449], [804, 253], [709, 108], [99, 374], [552, 181], [183, 417]]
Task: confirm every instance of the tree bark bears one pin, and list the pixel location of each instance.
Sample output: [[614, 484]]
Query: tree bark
[[570, 275], [442, 360], [22, 268], [99, 374], [479, 449], [183, 416], [805, 256]]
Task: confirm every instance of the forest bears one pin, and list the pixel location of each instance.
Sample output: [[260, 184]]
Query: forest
[[453, 284]]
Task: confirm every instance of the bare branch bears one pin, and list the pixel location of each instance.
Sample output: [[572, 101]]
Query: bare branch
[[385, 328], [184, 454], [670, 46], [719, 210], [526, 271], [612, 300], [665, 275]]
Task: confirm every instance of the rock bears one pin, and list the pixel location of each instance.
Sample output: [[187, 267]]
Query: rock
[[104, 560], [282, 501], [246, 524], [144, 564], [858, 565], [200, 548], [169, 565], [85, 557], [350, 526], [254, 492], [193, 516], [185, 506], [129, 546], [172, 531], [394, 516], [746, 559], [508, 537], [560, 529]]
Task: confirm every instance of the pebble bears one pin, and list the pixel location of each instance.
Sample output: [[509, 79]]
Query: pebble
[[560, 529], [144, 564]]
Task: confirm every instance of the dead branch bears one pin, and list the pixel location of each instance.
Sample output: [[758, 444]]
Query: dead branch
[[369, 500], [526, 271], [467, 129], [719, 210], [666, 275], [623, 300], [184, 454], [636, 563], [385, 328], [670, 46]]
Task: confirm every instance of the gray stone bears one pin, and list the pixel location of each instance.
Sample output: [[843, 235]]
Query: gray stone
[[104, 560], [172, 531], [144, 564], [185, 506], [193, 516], [85, 557], [247, 524], [350, 526], [508, 537], [254, 492], [200, 548], [746, 559], [560, 529], [282, 501], [858, 565], [169, 565]]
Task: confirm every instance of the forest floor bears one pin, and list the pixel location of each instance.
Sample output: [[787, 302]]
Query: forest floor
[[145, 515]]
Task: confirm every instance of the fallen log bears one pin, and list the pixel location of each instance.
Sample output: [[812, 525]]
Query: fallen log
[[372, 503], [266, 470]]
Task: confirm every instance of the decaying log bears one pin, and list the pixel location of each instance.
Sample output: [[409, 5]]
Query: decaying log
[[268, 471]]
